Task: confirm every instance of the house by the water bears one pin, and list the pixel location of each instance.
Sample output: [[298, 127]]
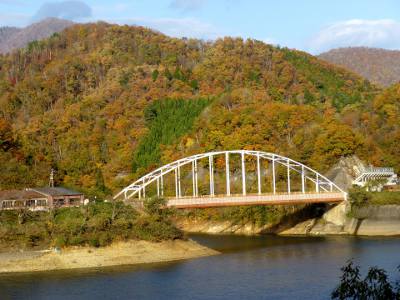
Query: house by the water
[[40, 198]]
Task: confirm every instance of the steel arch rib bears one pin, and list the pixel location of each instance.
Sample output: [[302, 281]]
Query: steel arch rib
[[149, 178]]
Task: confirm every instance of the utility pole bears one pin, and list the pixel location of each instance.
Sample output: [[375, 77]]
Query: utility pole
[[51, 181]]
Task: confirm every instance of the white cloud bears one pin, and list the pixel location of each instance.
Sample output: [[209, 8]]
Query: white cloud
[[269, 41], [383, 33], [71, 10], [177, 27]]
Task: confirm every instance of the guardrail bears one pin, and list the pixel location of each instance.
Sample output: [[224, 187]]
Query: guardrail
[[265, 199], [377, 170]]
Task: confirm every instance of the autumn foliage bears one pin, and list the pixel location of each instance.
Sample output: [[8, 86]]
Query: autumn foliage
[[76, 102]]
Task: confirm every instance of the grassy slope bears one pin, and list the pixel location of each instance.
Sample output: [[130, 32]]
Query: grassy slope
[[385, 198]]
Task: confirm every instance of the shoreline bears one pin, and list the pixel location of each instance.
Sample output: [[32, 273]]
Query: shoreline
[[308, 228], [117, 254]]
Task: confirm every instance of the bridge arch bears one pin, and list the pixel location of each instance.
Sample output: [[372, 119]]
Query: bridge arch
[[321, 183]]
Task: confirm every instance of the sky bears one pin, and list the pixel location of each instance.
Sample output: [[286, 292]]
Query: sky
[[314, 26]]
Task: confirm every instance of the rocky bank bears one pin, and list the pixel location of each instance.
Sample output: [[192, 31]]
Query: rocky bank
[[383, 220]]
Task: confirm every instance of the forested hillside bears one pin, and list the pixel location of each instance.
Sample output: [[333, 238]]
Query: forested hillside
[[377, 65], [88, 101]]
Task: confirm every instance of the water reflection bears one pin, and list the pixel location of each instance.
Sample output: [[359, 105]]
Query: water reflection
[[267, 267]]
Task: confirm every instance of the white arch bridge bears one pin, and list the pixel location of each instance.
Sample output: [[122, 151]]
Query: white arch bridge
[[258, 178]]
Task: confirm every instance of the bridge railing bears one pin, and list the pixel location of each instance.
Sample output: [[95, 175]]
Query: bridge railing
[[250, 195], [378, 170], [321, 183]]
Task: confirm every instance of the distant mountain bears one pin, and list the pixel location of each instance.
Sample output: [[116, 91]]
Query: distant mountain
[[13, 38], [6, 33], [377, 65]]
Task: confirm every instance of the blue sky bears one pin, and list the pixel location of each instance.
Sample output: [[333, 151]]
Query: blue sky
[[311, 25]]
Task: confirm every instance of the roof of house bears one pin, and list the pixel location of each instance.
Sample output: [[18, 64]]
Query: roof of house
[[19, 195], [37, 193], [56, 191]]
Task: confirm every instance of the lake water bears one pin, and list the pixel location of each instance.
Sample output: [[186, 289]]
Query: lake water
[[267, 267]]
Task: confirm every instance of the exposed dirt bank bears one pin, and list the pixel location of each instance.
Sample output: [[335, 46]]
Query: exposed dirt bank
[[121, 253]]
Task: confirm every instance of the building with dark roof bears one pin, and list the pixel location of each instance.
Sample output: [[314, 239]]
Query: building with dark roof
[[40, 198]]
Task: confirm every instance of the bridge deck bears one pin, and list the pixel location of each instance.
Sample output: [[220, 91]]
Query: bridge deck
[[251, 199]]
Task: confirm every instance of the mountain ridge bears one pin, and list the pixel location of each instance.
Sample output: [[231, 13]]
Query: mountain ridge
[[380, 66], [12, 38], [6, 32]]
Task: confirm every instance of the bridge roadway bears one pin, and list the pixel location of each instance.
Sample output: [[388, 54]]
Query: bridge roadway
[[252, 199]]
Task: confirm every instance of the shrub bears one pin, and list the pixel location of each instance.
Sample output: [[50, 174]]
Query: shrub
[[358, 196], [154, 228], [76, 241], [8, 217], [375, 285], [34, 234], [94, 242], [60, 241], [99, 222], [155, 206], [97, 225], [259, 215], [104, 239]]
